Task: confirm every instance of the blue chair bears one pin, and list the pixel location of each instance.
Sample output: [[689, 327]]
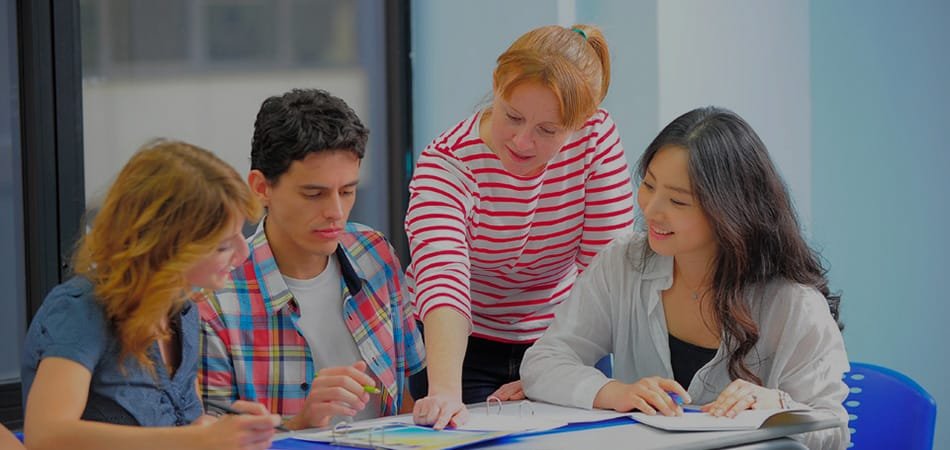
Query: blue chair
[[888, 410]]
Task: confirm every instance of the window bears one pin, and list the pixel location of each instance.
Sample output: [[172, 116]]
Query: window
[[199, 70]]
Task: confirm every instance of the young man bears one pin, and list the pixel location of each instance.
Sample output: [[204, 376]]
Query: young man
[[318, 315]]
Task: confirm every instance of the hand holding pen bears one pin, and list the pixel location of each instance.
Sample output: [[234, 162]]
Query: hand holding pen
[[248, 426], [212, 406], [335, 391], [650, 395], [684, 404]]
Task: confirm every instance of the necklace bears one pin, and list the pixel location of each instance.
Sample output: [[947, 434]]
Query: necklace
[[696, 295], [700, 290]]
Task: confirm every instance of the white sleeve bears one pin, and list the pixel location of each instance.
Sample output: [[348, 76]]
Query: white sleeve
[[559, 367], [811, 361]]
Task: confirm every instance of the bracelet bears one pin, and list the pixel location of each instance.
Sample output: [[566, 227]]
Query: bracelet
[[784, 400]]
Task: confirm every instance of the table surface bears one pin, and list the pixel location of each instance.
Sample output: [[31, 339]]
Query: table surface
[[772, 435], [648, 438]]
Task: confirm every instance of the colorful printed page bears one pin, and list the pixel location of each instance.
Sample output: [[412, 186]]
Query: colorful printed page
[[699, 421], [400, 436]]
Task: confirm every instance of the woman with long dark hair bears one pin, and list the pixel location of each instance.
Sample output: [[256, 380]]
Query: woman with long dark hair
[[721, 301]]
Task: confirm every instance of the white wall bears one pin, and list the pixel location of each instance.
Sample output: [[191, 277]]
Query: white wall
[[668, 56], [454, 47], [633, 97], [880, 181], [752, 57]]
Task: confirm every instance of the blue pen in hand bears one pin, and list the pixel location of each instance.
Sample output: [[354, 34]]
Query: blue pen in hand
[[681, 403]]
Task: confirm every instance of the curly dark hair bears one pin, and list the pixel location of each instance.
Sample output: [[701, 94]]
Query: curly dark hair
[[752, 217], [300, 122]]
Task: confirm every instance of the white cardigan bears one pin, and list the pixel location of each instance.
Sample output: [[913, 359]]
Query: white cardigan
[[615, 307]]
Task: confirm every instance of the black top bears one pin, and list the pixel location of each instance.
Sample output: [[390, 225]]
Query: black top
[[687, 358]]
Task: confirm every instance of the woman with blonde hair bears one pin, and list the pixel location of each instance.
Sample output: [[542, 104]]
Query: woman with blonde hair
[[116, 346], [506, 209]]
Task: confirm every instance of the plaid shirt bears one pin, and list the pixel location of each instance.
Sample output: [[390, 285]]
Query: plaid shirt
[[252, 348]]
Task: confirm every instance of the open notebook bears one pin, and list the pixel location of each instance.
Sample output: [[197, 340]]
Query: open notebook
[[399, 436], [699, 421], [484, 424]]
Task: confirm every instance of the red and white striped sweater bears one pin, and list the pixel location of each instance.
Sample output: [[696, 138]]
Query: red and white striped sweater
[[504, 249]]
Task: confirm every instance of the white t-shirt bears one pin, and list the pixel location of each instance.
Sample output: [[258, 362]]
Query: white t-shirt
[[321, 321]]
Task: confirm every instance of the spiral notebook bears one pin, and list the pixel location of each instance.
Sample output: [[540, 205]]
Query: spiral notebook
[[492, 420], [400, 436]]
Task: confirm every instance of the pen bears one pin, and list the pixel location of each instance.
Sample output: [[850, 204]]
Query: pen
[[229, 410], [366, 388], [676, 398], [679, 401]]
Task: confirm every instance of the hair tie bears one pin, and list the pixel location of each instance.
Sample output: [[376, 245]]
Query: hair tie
[[580, 32]]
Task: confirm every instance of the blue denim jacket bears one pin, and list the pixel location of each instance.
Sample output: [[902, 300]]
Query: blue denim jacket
[[71, 324]]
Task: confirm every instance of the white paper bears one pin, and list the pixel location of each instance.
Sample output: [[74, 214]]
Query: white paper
[[515, 417], [478, 420], [698, 421], [482, 422], [563, 414]]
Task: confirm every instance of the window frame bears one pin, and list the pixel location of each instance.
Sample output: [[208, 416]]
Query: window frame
[[51, 151]]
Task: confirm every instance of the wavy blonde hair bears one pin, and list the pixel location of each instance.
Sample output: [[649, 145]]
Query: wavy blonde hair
[[169, 207], [573, 62]]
